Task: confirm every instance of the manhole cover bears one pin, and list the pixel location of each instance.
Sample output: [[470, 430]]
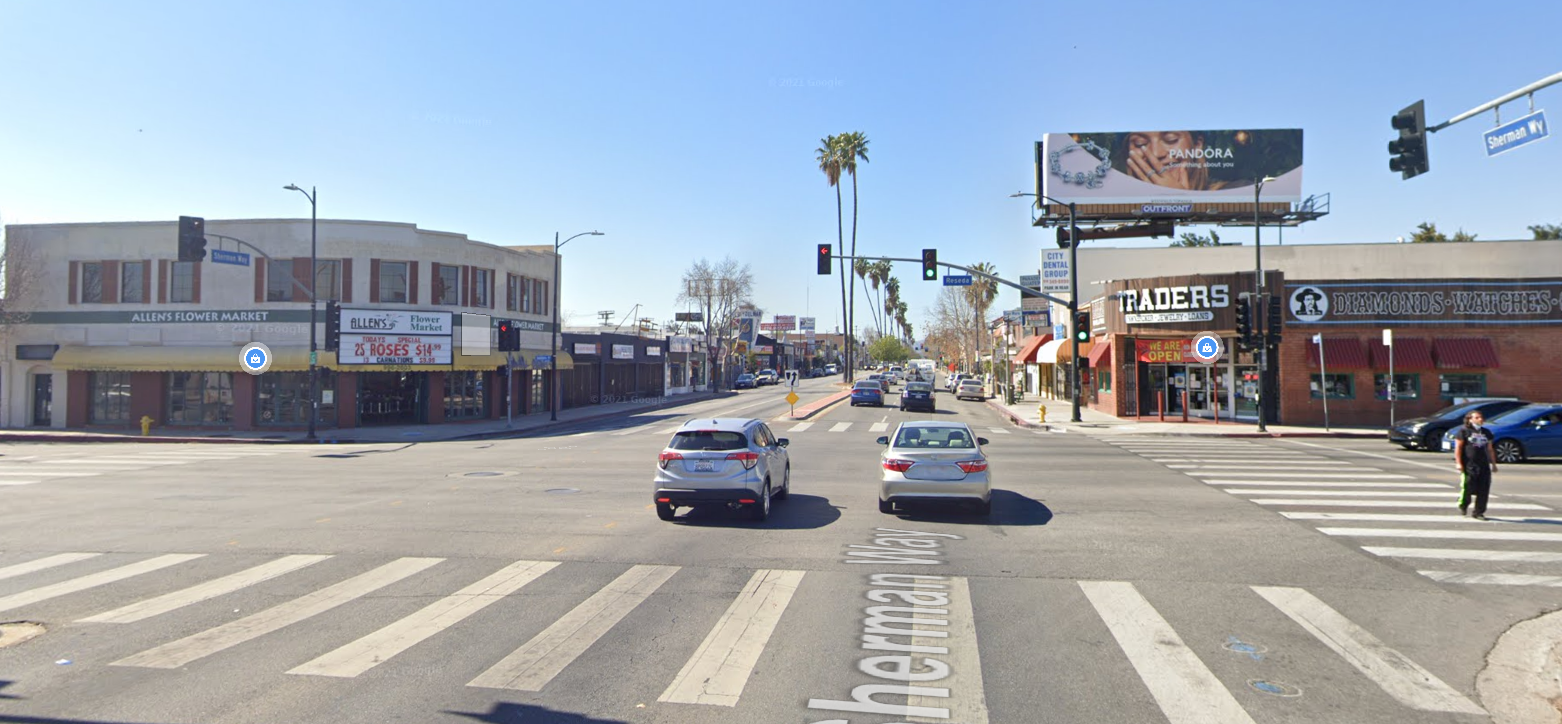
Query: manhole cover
[[1276, 688], [16, 632], [484, 474], [562, 491]]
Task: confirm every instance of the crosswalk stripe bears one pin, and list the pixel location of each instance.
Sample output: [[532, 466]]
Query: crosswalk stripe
[[58, 559], [841, 427], [1449, 534], [1186, 690], [99, 461], [47, 473], [191, 648], [1340, 493], [540, 660], [1466, 554], [717, 671], [1265, 459], [1498, 579], [999, 431], [630, 431], [378, 647], [1392, 671], [1386, 504], [672, 430], [18, 482], [1303, 469], [1314, 476], [211, 589], [1306, 484], [1409, 518], [967, 700], [801, 426], [44, 593], [878, 427]]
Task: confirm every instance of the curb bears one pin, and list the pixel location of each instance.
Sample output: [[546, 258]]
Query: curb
[[814, 408], [1013, 418], [1519, 684], [90, 437]]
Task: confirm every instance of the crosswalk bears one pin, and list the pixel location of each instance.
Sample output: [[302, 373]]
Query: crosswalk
[[789, 429], [79, 461], [1369, 506], [298, 591]]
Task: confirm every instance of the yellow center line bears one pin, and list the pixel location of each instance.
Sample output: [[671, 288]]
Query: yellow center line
[[322, 520], [560, 549], [610, 525], [396, 502], [233, 542]]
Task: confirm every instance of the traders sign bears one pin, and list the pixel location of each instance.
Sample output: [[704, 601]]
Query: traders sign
[[1168, 169], [1425, 301], [379, 349], [1181, 303]]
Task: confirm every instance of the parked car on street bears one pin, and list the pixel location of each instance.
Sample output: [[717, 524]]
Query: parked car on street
[[953, 380], [917, 396], [832, 370], [1426, 433], [733, 462], [971, 389], [1531, 431], [867, 392], [767, 377], [745, 381], [928, 461]]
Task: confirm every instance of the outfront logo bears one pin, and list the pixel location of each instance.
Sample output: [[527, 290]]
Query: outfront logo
[[1309, 304]]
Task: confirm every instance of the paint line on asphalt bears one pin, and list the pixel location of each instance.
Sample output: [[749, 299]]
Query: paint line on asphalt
[[47, 473], [1387, 504], [74, 585], [1466, 554], [211, 589], [1495, 579], [1414, 518], [1288, 467], [103, 461], [998, 431], [1316, 476], [58, 559], [841, 427], [717, 671], [15, 482], [967, 700], [801, 427], [1444, 467], [1446, 534], [1340, 493], [1391, 670], [1307, 484], [878, 427]]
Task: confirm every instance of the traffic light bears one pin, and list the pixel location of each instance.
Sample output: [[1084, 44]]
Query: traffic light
[[1245, 322], [509, 336], [1063, 237], [930, 265], [192, 238], [1082, 326], [333, 326], [824, 259], [1275, 319], [1408, 152]]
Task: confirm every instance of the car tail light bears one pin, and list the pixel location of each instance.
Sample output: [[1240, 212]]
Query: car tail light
[[746, 501], [898, 466], [972, 466], [664, 500], [667, 457], [748, 459]]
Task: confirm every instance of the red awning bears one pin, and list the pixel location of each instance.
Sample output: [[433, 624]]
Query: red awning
[[1464, 353], [1338, 353], [1028, 348], [1410, 353], [1100, 352]]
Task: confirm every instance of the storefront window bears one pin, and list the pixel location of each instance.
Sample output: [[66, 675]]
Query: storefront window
[[1462, 385], [1104, 381], [1406, 387], [539, 391], [110, 395], [200, 398], [676, 371], [282, 398], [463, 395], [1339, 386]]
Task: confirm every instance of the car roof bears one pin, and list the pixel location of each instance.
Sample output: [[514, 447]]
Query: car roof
[[728, 424], [933, 423]]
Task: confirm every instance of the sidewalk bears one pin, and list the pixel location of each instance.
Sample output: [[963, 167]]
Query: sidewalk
[[1101, 424]]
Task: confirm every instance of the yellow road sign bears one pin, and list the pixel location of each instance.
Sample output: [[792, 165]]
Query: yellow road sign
[[791, 398]]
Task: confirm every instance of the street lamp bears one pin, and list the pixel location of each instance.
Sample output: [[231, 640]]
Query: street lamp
[[314, 373], [553, 337], [1258, 291], [1073, 295]]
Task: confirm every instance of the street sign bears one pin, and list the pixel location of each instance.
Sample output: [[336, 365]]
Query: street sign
[[792, 398], [1511, 135], [957, 280], [1032, 281], [1207, 348], [229, 257], [1054, 271], [542, 360]]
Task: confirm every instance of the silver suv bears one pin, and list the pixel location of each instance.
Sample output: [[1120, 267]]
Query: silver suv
[[734, 462]]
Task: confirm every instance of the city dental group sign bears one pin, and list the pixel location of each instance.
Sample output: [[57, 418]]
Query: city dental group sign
[[1425, 301], [1170, 170], [379, 337]]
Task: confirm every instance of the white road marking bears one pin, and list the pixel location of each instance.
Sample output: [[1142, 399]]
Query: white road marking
[[1287, 459], [841, 427], [1313, 476], [1444, 467], [717, 671], [378, 647], [543, 658], [16, 482], [998, 431], [44, 593], [1392, 671], [1340, 493], [672, 430], [1288, 467], [1448, 534], [1497, 579], [58, 559], [878, 427], [1186, 690], [211, 589], [801, 427], [1307, 484], [103, 461], [47, 473], [967, 701], [191, 648], [1387, 504], [1466, 554], [1411, 518]]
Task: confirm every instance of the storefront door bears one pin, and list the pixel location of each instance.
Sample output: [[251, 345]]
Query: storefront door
[[43, 400], [392, 398]]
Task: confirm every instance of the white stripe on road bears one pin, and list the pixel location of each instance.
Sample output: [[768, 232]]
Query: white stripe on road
[[801, 427], [211, 589], [1186, 690], [58, 559], [1302, 469], [717, 671], [1286, 459], [1442, 467], [998, 431], [94, 580], [841, 427], [1306, 484], [672, 430], [47, 473], [1448, 534], [967, 700], [101, 461], [14, 481], [1466, 554], [878, 427], [540, 660], [1340, 493], [178, 653], [1386, 504], [1315, 476], [1495, 579], [378, 647], [1392, 671], [1411, 518]]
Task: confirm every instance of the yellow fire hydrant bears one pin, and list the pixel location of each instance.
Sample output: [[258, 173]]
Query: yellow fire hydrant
[[1041, 410], [146, 425]]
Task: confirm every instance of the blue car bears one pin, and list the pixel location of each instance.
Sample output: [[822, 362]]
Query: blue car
[[745, 381], [867, 392], [1531, 431]]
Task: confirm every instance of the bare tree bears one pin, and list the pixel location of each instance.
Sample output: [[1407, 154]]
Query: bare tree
[[720, 291], [951, 328]]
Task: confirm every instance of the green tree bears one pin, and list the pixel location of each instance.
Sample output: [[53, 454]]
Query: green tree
[[1427, 233], [888, 349], [1460, 235], [850, 147], [829, 157], [1545, 232], [980, 295], [1191, 239]]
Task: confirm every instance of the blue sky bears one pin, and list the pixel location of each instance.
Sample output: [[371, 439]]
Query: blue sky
[[688, 130]]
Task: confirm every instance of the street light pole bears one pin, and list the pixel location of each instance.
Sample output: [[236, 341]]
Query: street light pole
[[553, 336], [1255, 311], [314, 297], [1073, 295]]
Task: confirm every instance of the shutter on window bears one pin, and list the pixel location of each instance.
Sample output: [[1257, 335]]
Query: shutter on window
[[195, 294], [162, 281], [75, 272], [412, 282], [260, 280], [146, 281], [301, 273], [110, 282], [347, 281], [466, 285], [374, 281]]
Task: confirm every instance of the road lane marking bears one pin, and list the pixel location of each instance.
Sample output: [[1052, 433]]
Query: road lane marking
[[1496, 579], [540, 660], [1411, 518], [1449, 534], [1339, 493], [15, 482], [998, 431], [102, 461], [378, 647], [1465, 554], [967, 700], [191, 648], [1306, 484], [672, 430], [878, 427], [1315, 476], [48, 473], [1288, 467], [58, 559], [1265, 459], [841, 427], [44, 593], [1186, 690], [1386, 504], [1392, 671], [717, 671], [800, 427], [1441, 467], [211, 589]]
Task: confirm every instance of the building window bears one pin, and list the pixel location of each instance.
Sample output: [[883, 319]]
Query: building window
[[526, 295], [200, 398], [183, 288], [675, 371], [464, 395], [279, 280], [1104, 381], [1462, 385], [132, 281], [328, 279], [109, 393], [91, 282], [282, 398], [447, 285], [539, 296], [1339, 386], [393, 281], [1406, 387], [512, 293], [482, 285], [539, 391]]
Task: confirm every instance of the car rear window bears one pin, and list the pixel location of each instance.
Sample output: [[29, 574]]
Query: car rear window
[[934, 437], [919, 387], [867, 385], [708, 440]]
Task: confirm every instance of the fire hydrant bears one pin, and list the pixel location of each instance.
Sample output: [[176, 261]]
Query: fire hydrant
[[1041, 411], [146, 425]]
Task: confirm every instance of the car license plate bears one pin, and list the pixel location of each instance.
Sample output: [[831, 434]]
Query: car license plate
[[704, 466]]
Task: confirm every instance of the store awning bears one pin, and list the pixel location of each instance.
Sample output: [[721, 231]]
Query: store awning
[[226, 359], [1338, 353], [1459, 353], [1051, 352], [1101, 355], [1028, 348], [1410, 353]]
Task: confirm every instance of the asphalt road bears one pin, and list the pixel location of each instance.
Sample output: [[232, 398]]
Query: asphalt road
[[1131, 579]]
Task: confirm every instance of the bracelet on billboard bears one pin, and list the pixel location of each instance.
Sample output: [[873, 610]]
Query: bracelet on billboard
[[1091, 179]]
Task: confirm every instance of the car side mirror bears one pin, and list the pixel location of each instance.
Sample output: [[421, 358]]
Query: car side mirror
[[783, 442], [884, 441], [981, 441]]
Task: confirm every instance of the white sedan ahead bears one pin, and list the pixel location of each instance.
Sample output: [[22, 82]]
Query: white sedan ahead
[[929, 461]]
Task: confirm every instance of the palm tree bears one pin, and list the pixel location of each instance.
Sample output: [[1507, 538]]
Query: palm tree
[[829, 158], [852, 146], [891, 298], [864, 269], [981, 294], [900, 318], [880, 277]]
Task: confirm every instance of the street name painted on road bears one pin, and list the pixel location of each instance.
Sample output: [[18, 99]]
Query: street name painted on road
[[230, 257], [957, 280], [1520, 132]]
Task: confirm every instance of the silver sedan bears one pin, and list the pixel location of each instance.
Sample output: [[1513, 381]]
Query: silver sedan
[[928, 461]]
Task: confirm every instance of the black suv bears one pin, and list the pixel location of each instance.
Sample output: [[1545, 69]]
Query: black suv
[[1426, 433]]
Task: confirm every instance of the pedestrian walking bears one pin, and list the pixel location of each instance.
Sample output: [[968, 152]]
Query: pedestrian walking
[[1476, 462]]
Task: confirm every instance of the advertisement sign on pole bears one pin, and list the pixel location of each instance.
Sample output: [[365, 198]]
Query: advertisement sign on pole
[[392, 349], [1054, 271], [380, 321], [1185, 167]]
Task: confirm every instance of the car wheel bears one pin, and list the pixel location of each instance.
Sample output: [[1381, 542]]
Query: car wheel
[[1508, 451], [760, 512], [1432, 440], [665, 511], [886, 506], [786, 483]]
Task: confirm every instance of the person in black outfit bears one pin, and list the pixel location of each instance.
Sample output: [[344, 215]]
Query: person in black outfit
[[1476, 462]]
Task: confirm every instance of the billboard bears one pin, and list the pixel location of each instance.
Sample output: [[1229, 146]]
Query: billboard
[[383, 349], [1166, 170]]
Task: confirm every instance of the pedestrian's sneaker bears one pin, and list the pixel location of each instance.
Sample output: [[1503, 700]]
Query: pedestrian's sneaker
[[1478, 516], [1464, 510]]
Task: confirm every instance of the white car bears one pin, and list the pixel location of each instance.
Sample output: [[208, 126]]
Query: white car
[[731, 462], [971, 388], [928, 461]]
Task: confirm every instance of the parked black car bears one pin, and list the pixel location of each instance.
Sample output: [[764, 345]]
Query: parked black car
[[1426, 433]]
